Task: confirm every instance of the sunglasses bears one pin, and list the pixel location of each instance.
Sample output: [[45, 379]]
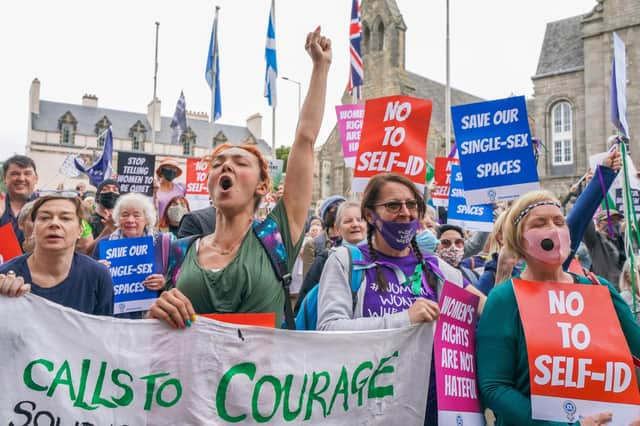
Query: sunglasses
[[459, 242], [395, 206]]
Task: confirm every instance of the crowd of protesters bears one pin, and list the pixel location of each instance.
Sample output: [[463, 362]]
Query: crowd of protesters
[[209, 260]]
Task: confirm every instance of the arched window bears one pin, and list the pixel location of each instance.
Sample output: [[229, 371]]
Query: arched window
[[219, 139], [67, 125], [379, 36], [188, 140], [101, 130], [137, 133], [562, 133], [366, 37]]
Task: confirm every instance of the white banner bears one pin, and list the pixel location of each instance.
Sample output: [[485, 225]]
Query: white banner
[[64, 367]]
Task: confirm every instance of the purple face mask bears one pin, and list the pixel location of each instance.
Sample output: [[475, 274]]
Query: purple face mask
[[397, 234]]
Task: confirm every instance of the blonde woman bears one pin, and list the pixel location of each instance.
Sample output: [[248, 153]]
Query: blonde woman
[[533, 222], [627, 290]]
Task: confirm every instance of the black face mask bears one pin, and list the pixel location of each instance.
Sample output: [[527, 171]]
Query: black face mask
[[108, 199], [168, 173]]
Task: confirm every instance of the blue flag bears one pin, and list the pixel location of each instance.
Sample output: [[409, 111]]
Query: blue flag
[[212, 72], [619, 86], [271, 73], [179, 120], [103, 167]]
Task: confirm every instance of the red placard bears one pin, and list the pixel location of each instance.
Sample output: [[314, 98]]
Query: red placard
[[442, 180], [197, 176], [579, 360], [393, 139], [9, 245], [260, 319]]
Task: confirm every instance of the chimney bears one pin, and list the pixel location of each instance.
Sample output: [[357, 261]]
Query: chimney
[[34, 97], [197, 115], [90, 100], [254, 124], [153, 114]]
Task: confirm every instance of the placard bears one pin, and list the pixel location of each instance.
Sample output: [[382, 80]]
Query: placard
[[495, 150], [472, 218], [132, 260], [615, 191], [10, 247], [454, 349], [197, 191], [394, 139], [135, 172], [276, 167], [579, 360], [350, 119], [442, 181]]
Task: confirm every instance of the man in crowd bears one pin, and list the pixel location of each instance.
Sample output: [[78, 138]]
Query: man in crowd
[[107, 194], [20, 178], [607, 254]]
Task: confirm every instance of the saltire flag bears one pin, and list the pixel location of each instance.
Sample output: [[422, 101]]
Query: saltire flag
[[355, 37], [179, 120], [103, 166], [68, 167], [271, 73], [212, 72], [619, 86]]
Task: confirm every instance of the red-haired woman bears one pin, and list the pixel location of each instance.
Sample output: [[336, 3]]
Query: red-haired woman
[[228, 270], [177, 207]]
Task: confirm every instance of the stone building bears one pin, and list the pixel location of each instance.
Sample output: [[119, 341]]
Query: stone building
[[383, 53], [58, 129], [571, 104]]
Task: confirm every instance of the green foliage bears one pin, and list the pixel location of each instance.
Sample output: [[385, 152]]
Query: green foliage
[[282, 153]]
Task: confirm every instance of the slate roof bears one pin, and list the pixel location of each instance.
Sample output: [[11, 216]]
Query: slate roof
[[562, 48], [122, 121], [430, 89]]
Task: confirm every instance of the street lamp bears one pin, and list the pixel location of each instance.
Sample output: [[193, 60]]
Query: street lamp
[[299, 89]]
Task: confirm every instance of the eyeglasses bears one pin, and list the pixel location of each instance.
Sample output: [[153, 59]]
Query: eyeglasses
[[459, 242], [395, 206]]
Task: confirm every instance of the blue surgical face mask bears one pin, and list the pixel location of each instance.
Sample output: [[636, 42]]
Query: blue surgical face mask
[[397, 234], [427, 242]]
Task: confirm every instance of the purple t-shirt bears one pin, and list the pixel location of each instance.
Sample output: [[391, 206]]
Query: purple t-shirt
[[399, 296], [164, 197]]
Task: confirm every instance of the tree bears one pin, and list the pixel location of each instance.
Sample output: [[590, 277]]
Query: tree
[[282, 153]]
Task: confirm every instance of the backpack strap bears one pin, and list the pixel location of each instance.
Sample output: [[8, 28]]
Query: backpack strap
[[177, 252], [269, 235], [166, 245], [357, 266], [595, 281]]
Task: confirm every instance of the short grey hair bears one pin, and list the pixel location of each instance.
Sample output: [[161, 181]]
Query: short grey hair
[[140, 201], [343, 206]]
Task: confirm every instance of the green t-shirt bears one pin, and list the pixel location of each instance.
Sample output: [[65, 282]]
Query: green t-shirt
[[247, 284]]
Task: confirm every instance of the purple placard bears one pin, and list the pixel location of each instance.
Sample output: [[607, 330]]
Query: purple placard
[[455, 358], [350, 119]]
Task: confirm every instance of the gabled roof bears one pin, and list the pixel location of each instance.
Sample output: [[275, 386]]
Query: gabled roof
[[562, 48], [122, 121], [431, 89]]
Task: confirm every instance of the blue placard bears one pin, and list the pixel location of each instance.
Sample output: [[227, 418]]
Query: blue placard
[[495, 150], [132, 260], [473, 218]]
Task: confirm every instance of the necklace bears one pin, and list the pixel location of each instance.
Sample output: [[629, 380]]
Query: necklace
[[227, 251]]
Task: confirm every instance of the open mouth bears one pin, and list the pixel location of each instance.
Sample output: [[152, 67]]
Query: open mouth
[[225, 183]]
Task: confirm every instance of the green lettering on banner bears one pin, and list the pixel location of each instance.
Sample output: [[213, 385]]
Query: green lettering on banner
[[380, 392], [151, 384], [96, 398], [27, 376], [246, 368], [287, 414], [315, 395], [277, 389], [127, 395], [84, 372], [342, 388], [176, 384], [358, 386], [60, 380]]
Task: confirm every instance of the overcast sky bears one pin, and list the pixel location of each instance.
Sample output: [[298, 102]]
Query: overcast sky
[[107, 49]]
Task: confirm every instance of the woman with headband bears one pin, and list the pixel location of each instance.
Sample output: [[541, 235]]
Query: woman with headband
[[536, 231]]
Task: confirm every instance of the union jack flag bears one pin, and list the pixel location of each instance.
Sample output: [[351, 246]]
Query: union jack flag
[[355, 37]]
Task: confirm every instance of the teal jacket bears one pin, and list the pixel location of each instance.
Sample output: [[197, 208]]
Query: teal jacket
[[503, 367]]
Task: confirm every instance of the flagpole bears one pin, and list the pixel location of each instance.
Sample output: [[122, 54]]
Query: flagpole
[[214, 68], [447, 94], [155, 87], [273, 130]]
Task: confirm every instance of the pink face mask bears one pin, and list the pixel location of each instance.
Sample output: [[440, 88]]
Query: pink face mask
[[548, 246]]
